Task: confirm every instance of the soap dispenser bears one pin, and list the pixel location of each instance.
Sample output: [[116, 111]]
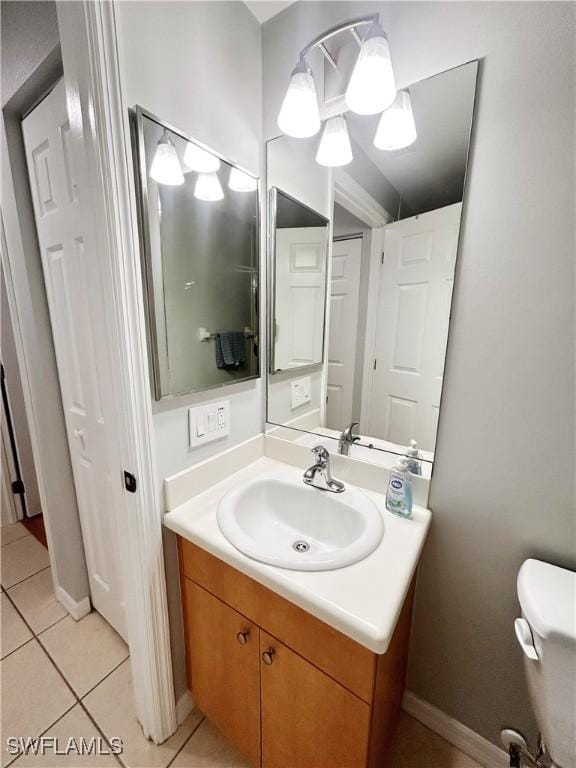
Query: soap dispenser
[[413, 458], [399, 493]]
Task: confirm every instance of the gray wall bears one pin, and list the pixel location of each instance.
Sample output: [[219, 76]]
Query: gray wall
[[197, 66], [503, 484], [30, 63]]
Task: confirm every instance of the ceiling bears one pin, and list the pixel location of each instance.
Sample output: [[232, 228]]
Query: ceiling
[[430, 173], [265, 9]]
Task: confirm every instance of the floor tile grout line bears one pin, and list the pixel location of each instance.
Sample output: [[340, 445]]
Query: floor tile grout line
[[106, 676], [46, 730], [100, 731], [45, 629], [19, 647], [7, 589], [202, 719]]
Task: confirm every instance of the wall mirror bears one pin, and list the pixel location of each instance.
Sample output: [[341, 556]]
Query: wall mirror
[[199, 219], [394, 220]]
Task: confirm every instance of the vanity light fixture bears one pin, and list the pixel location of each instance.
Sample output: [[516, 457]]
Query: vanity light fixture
[[299, 115], [238, 181], [198, 159], [208, 187], [396, 129], [372, 86], [334, 149], [165, 168]]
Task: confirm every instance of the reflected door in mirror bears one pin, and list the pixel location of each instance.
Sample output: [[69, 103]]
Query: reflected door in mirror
[[416, 282]]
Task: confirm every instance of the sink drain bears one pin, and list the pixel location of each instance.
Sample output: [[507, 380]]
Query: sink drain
[[301, 546]]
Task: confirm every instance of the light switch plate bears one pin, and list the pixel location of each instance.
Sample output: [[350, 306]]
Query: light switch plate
[[300, 392], [208, 422]]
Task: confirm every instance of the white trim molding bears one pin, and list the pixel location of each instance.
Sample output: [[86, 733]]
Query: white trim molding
[[459, 735], [76, 608], [95, 106], [352, 196], [184, 706]]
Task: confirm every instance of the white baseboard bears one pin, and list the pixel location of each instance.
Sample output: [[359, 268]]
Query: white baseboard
[[459, 735], [184, 706], [76, 608]]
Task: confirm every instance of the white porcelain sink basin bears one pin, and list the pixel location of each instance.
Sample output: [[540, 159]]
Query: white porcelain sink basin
[[277, 519]]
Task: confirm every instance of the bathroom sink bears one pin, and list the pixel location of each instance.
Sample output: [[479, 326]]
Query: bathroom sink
[[276, 519]]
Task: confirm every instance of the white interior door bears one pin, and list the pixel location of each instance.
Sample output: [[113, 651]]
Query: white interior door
[[412, 326], [300, 296], [344, 297], [72, 282]]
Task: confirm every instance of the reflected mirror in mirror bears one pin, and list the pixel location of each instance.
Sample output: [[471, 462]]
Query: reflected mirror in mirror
[[200, 236], [299, 284], [395, 217]]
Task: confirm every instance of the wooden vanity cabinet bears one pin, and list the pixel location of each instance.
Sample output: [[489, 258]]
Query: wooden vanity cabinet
[[286, 689]]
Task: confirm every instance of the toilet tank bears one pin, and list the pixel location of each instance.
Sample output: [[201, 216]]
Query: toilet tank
[[547, 635]]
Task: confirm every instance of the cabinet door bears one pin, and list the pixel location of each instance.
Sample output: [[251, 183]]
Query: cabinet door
[[308, 719], [223, 660]]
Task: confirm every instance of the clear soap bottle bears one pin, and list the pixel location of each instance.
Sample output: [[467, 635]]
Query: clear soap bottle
[[399, 493], [413, 458]]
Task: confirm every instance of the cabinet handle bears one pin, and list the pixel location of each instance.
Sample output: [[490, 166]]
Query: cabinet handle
[[242, 637], [268, 656]]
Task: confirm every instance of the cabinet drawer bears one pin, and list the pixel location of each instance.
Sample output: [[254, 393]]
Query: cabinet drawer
[[346, 661]]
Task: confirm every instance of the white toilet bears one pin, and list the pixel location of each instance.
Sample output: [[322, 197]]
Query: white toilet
[[547, 635]]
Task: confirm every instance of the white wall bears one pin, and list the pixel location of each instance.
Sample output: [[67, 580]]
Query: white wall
[[197, 66], [503, 484]]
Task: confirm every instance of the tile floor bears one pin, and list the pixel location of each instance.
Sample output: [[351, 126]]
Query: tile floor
[[63, 679]]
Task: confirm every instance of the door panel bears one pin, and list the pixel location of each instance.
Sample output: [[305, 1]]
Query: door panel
[[300, 274], [72, 279], [412, 326], [224, 675], [308, 719], [344, 300]]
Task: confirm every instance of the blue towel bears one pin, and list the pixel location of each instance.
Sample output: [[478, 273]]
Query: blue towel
[[230, 349]]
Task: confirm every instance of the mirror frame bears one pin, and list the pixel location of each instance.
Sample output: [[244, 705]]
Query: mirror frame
[[272, 213], [137, 115]]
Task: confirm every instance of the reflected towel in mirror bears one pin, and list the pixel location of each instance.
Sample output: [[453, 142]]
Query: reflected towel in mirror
[[230, 349]]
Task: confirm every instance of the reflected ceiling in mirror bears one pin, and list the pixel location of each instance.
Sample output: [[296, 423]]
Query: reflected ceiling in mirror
[[395, 217]]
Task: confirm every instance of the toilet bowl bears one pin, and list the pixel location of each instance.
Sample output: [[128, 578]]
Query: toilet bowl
[[547, 635]]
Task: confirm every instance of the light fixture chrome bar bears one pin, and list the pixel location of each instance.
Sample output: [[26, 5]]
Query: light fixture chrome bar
[[328, 56], [356, 36], [339, 28]]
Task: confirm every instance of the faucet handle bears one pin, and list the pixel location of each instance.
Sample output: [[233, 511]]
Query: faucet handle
[[322, 455]]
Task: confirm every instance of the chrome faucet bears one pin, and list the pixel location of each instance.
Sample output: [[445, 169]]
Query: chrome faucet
[[347, 438], [321, 468]]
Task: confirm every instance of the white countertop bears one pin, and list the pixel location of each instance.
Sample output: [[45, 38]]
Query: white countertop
[[363, 600]]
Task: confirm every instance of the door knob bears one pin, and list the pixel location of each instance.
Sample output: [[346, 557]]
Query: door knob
[[268, 656], [242, 637]]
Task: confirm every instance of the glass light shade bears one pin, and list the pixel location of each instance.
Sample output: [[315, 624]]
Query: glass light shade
[[239, 181], [208, 187], [334, 149], [198, 159], [396, 128], [372, 86], [166, 168], [299, 114]]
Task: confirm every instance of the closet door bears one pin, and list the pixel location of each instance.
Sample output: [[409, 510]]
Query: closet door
[[223, 660], [308, 719]]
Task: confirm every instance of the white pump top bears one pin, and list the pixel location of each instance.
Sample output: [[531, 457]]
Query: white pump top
[[547, 595], [413, 449]]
